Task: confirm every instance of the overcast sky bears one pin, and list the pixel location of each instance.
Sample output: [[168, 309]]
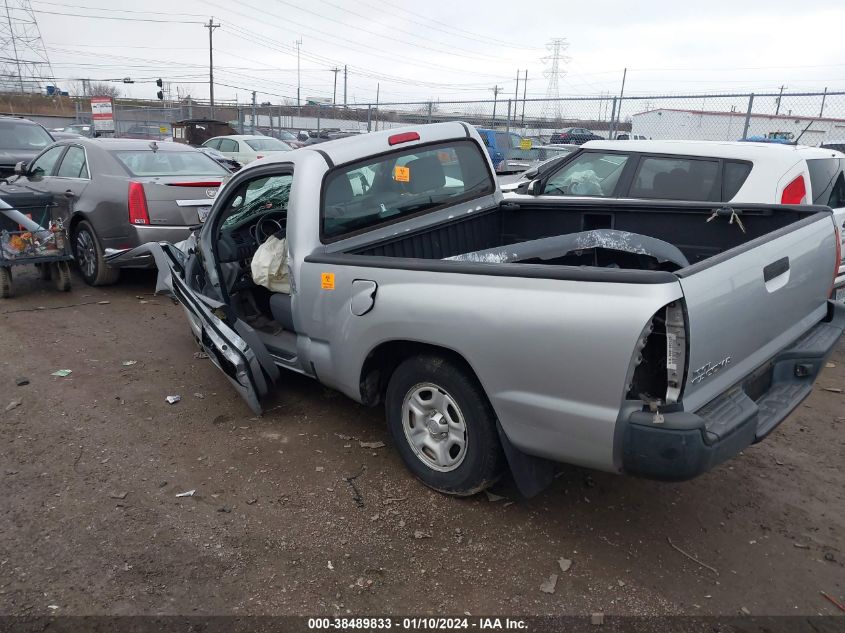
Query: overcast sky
[[447, 49]]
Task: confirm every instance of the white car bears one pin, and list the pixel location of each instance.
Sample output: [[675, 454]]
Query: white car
[[246, 148], [732, 172]]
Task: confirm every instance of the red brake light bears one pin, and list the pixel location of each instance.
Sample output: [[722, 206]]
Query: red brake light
[[204, 183], [795, 192], [405, 137], [138, 213]]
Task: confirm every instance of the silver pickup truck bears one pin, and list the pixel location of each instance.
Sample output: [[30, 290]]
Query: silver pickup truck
[[651, 338]]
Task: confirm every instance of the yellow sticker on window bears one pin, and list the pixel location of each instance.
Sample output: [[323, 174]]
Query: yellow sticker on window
[[327, 281], [525, 143], [402, 174]]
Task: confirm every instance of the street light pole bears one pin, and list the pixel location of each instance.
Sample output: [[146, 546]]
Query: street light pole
[[298, 80]]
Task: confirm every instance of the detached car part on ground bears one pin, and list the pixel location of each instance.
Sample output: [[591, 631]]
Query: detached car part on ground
[[498, 333]]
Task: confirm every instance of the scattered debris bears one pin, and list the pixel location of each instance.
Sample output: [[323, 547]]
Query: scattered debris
[[372, 444], [597, 619], [829, 557], [189, 493], [173, 399], [162, 484], [21, 382], [200, 355], [833, 601], [199, 396], [830, 365], [53, 606], [344, 436], [129, 363], [564, 563], [621, 583], [330, 566], [103, 303], [493, 498], [14, 404], [356, 494], [225, 509], [252, 501], [745, 611], [394, 500], [691, 557], [832, 389], [418, 534], [548, 586], [801, 545], [61, 373], [319, 469], [118, 495]]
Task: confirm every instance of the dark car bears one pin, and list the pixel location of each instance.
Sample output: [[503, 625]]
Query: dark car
[[230, 164], [20, 140], [148, 132], [574, 136], [125, 193]]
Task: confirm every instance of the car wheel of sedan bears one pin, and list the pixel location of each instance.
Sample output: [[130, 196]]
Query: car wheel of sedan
[[443, 426], [89, 257]]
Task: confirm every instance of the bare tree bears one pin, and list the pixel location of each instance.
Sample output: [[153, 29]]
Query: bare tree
[[103, 89]]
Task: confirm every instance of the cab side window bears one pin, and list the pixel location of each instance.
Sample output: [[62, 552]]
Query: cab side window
[[590, 174]]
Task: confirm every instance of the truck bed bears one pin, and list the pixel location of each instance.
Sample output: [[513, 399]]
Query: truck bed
[[632, 235]]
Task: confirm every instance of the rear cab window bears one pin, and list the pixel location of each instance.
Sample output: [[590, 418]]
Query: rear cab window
[[168, 163], [402, 184]]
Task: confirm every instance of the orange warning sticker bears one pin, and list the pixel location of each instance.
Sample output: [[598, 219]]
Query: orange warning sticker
[[402, 174], [327, 281]]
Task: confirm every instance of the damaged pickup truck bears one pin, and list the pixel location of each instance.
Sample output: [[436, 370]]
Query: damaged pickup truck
[[644, 337]]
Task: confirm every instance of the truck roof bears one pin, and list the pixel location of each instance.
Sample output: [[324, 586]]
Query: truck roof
[[719, 149]]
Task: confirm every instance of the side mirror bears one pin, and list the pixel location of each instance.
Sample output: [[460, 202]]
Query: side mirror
[[533, 188], [21, 167]]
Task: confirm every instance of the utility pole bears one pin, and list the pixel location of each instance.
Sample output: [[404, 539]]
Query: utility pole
[[524, 95], [334, 93], [253, 112], [780, 96], [378, 89], [211, 26], [298, 79], [516, 90], [613, 124], [496, 90], [824, 96], [345, 75]]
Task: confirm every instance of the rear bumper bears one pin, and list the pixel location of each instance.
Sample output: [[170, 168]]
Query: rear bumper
[[144, 234], [686, 444]]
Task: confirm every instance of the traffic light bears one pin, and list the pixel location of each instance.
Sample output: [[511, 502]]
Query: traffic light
[[160, 84]]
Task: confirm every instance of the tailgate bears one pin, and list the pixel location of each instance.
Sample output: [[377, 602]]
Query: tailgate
[[747, 304], [180, 201]]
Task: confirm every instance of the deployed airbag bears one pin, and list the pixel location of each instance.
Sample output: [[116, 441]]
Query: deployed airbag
[[270, 265]]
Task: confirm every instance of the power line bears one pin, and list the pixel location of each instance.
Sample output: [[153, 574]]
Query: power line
[[115, 17]]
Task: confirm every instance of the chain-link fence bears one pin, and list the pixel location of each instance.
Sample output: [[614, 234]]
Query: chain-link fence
[[807, 118]]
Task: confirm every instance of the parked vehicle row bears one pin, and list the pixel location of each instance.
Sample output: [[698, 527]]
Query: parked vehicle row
[[621, 335]]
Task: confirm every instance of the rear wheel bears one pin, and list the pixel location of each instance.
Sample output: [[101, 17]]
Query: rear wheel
[[61, 276], [89, 257], [444, 426], [5, 282]]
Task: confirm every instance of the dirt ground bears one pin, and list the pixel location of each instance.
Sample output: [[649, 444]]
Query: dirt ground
[[92, 463]]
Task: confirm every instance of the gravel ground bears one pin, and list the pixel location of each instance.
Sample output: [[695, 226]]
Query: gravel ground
[[292, 516]]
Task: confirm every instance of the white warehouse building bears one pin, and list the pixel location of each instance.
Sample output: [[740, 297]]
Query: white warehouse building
[[669, 123]]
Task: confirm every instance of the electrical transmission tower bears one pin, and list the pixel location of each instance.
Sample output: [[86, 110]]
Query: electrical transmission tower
[[24, 65], [556, 48]]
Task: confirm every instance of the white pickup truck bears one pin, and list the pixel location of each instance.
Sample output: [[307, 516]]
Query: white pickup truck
[[656, 338]]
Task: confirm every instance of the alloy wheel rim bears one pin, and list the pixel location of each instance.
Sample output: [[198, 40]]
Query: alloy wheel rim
[[434, 427], [85, 253]]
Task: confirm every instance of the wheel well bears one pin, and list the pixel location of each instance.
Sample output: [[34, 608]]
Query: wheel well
[[383, 360], [74, 222]]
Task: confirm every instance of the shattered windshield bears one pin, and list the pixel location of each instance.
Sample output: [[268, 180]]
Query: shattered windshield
[[259, 196]]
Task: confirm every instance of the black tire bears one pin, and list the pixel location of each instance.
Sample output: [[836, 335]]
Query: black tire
[[44, 271], [61, 276], [481, 460], [5, 282], [89, 257]]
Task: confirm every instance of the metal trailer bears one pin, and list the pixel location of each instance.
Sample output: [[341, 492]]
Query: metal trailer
[[34, 231]]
